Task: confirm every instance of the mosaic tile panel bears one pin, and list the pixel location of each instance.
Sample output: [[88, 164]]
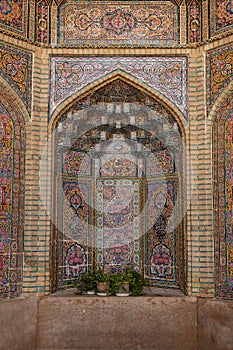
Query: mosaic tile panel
[[161, 237], [194, 11], [11, 200], [223, 203], [119, 23], [159, 163], [168, 75], [118, 224], [221, 16], [16, 69], [13, 16], [76, 163], [42, 22], [219, 73], [54, 23], [75, 227]]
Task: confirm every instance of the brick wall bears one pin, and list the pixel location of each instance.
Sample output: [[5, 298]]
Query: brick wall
[[197, 138]]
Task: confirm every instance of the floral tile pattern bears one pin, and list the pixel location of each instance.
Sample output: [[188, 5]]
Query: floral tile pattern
[[13, 15], [168, 75], [221, 12], [11, 198], [16, 69], [119, 23], [223, 188], [219, 73]]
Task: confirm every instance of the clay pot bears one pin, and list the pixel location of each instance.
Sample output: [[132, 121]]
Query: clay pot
[[103, 287], [124, 288]]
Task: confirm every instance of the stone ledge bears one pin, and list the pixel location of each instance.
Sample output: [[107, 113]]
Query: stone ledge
[[112, 323]]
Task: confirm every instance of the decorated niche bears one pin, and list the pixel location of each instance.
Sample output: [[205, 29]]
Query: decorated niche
[[11, 198], [118, 178]]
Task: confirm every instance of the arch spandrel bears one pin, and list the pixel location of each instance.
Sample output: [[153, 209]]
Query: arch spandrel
[[167, 76], [125, 77], [9, 95]]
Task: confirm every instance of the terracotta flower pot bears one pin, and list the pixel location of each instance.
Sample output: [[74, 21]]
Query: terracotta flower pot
[[103, 287], [124, 288]]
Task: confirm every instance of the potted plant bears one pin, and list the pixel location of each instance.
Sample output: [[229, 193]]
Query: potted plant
[[135, 280], [86, 283], [102, 279], [120, 285], [126, 282]]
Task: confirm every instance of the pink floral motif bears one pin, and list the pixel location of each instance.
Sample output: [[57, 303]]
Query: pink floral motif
[[161, 261], [117, 254], [118, 21], [75, 260]]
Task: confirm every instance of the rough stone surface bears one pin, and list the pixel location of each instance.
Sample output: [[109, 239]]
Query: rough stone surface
[[18, 323], [109, 323], [215, 324]]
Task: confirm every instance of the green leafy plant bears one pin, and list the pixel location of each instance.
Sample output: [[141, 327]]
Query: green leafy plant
[[115, 279], [101, 275], [135, 279], [85, 282]]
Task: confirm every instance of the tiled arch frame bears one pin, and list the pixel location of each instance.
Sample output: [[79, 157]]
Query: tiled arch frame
[[67, 104], [221, 117], [13, 120], [98, 83]]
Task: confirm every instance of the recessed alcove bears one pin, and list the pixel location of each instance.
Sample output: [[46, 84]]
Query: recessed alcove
[[119, 180]]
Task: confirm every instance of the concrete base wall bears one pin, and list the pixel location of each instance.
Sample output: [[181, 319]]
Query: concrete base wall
[[114, 323], [215, 324], [18, 324], [117, 323]]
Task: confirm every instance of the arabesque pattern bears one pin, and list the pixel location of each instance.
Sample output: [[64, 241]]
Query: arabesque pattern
[[11, 198], [168, 75], [119, 23], [13, 16], [221, 16], [16, 69], [219, 73], [161, 254], [223, 189]]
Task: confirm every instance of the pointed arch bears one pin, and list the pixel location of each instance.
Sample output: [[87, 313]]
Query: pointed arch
[[67, 182]]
